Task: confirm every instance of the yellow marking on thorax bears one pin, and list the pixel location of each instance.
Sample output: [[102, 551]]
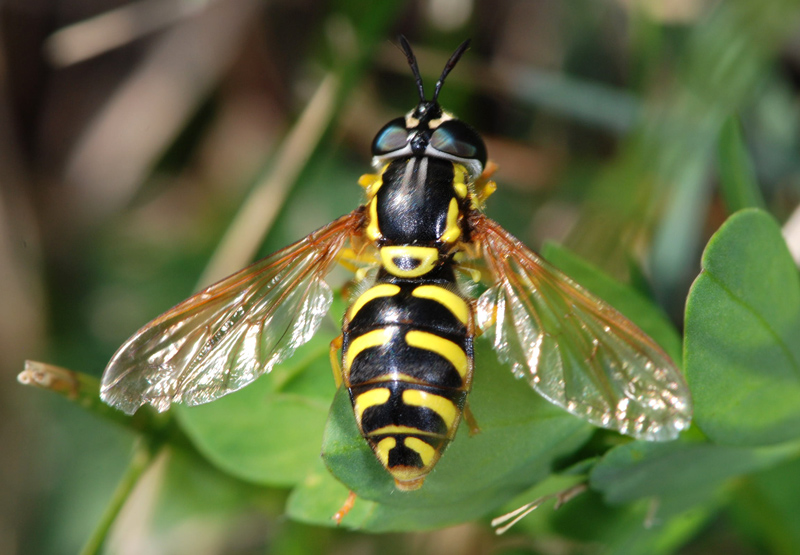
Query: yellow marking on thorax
[[371, 398], [382, 449], [373, 231], [373, 338], [448, 299], [424, 257], [381, 290], [440, 346], [460, 179], [426, 452], [371, 183], [367, 179], [442, 406], [452, 231]]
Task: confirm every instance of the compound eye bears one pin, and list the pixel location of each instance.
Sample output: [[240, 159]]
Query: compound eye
[[393, 136], [456, 138]]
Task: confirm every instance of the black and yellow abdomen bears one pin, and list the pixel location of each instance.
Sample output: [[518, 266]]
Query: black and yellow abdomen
[[407, 362]]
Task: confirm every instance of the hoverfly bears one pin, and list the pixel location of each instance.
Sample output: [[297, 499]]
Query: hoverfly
[[407, 336]]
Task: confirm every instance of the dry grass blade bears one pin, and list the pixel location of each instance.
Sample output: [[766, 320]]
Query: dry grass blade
[[516, 515], [129, 133], [114, 28], [259, 210], [791, 233]]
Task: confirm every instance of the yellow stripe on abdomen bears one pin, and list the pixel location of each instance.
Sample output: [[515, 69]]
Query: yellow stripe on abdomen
[[441, 346], [382, 449], [373, 338], [371, 398], [426, 452], [397, 429], [455, 304], [440, 405], [380, 290]]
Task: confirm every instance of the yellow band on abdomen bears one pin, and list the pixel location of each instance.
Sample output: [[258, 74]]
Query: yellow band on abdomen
[[441, 346], [455, 304], [396, 430], [373, 338], [371, 398], [425, 451], [440, 405], [382, 449], [380, 290]]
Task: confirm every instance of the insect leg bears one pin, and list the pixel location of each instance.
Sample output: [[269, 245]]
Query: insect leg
[[346, 507], [470, 269], [484, 186], [336, 366], [348, 258], [469, 418]]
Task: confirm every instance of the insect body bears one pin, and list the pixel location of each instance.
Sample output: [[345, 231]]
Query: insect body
[[407, 338]]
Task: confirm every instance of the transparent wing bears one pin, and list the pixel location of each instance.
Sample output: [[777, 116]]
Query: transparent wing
[[226, 336], [573, 348]]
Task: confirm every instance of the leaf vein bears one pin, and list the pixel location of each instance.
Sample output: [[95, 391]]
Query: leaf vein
[[763, 321]]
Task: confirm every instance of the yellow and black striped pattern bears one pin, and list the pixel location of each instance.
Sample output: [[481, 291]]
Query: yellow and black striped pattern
[[407, 340], [407, 362]]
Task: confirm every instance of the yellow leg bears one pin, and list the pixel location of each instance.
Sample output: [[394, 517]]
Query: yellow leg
[[468, 252], [368, 180], [488, 189], [354, 260], [489, 170], [341, 513], [348, 259], [473, 270], [474, 429], [336, 366], [484, 186]]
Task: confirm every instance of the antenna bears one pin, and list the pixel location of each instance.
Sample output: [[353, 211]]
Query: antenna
[[412, 61], [449, 66]]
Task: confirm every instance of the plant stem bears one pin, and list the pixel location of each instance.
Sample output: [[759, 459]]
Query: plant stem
[[142, 457]]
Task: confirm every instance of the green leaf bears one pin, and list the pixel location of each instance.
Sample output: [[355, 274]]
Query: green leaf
[[269, 432], [766, 507], [320, 496], [627, 529], [588, 519], [627, 300], [737, 177], [191, 486], [742, 345], [521, 437], [681, 474]]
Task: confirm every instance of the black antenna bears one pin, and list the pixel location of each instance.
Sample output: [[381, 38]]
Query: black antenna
[[412, 61], [448, 66]]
